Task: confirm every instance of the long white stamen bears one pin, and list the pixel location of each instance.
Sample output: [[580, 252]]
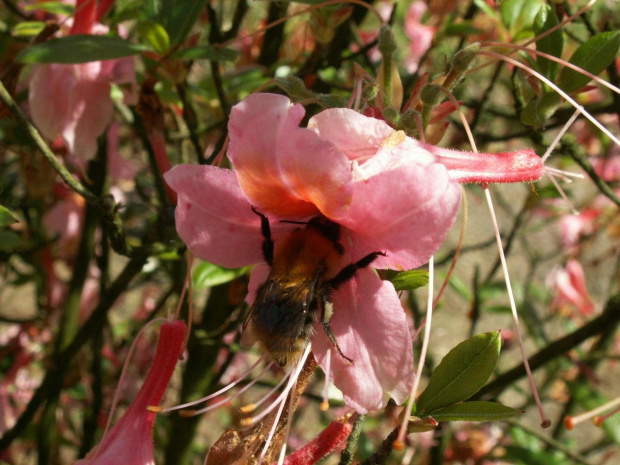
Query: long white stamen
[[221, 391], [325, 404], [553, 86], [289, 422], [513, 307], [562, 62], [236, 394], [253, 406], [400, 440], [281, 401], [571, 422], [563, 194], [561, 134], [563, 175], [292, 377]]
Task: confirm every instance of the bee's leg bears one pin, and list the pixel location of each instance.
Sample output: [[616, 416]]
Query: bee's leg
[[349, 271], [327, 309], [268, 242]]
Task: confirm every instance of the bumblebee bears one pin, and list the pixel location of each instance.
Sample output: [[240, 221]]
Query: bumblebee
[[305, 270]]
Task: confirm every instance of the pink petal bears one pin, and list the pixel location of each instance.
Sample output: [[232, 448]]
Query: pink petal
[[130, 441], [371, 328], [48, 107], [357, 136], [405, 212], [214, 218], [285, 170], [72, 100]]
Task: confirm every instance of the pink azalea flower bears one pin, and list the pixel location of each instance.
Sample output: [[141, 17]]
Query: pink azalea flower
[[130, 441], [74, 100], [387, 192], [569, 284]]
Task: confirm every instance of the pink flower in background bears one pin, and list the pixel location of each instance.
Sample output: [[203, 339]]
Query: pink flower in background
[[420, 36], [569, 285], [608, 168], [130, 441], [574, 227], [387, 192], [63, 221], [74, 101]]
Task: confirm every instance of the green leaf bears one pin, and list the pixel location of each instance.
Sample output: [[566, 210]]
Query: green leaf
[[57, 8], [538, 111], [80, 48], [207, 275], [155, 35], [521, 455], [518, 15], [475, 411], [28, 28], [459, 287], [409, 280], [179, 17], [593, 56], [463, 29], [551, 44], [461, 373], [207, 52], [6, 217], [8, 240], [494, 290]]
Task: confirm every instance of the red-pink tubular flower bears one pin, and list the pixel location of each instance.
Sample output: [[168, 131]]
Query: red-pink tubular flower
[[130, 441], [330, 438], [388, 193]]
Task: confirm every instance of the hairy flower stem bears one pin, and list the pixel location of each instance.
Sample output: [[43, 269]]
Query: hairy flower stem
[[346, 458]]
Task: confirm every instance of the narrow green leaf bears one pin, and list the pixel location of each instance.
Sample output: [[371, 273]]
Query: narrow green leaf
[[57, 8], [593, 56], [6, 217], [155, 35], [81, 48], [475, 411], [538, 111], [409, 280], [207, 52], [461, 373], [180, 16], [551, 44], [518, 15], [28, 28], [207, 275]]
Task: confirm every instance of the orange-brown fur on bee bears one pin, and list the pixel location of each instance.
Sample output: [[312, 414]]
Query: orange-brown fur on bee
[[305, 268]]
